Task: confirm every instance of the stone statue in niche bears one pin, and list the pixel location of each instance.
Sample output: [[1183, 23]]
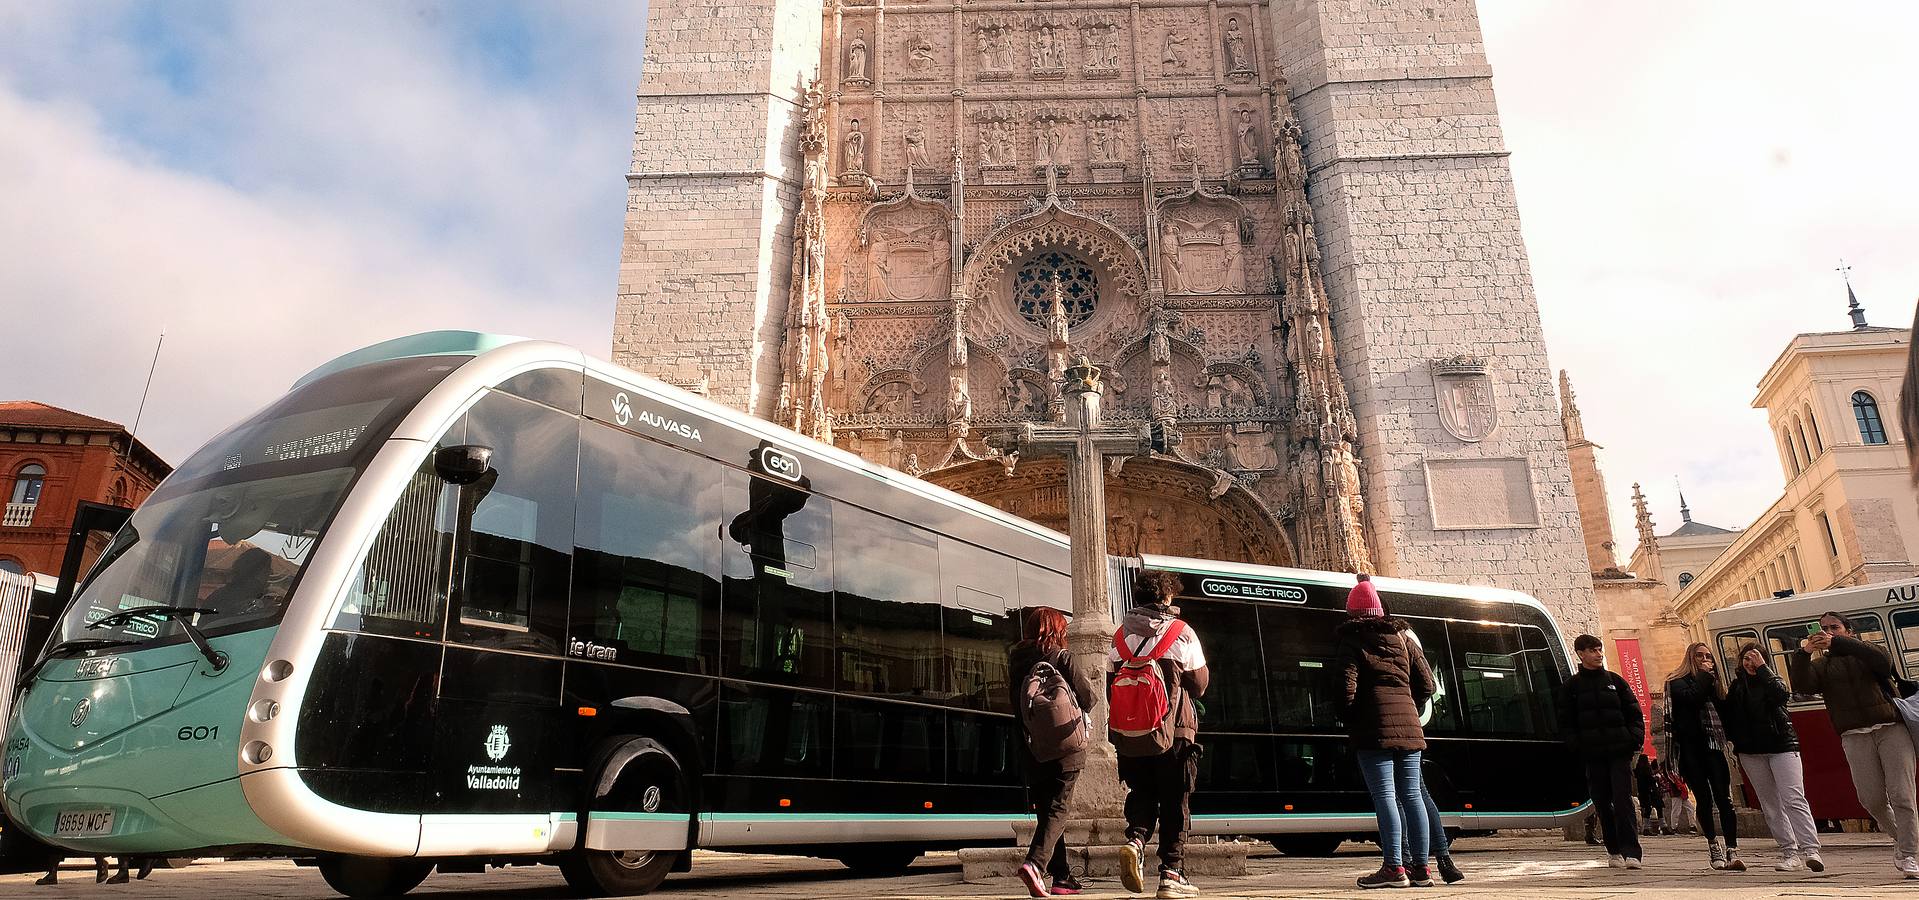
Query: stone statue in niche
[[896, 451], [917, 155], [1152, 531], [1124, 533], [959, 403], [1173, 49], [1237, 59], [854, 158], [996, 143], [1228, 391], [856, 55], [1169, 258], [919, 55], [1023, 397], [1100, 41], [1165, 400], [894, 398], [1315, 339], [1248, 138], [1105, 134], [1048, 54], [1049, 143], [1292, 168], [1185, 150]]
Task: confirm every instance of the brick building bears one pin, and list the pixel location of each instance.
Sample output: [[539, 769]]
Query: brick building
[[51, 459], [1285, 229]]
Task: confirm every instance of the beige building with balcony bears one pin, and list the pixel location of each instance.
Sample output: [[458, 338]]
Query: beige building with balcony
[[1849, 513]]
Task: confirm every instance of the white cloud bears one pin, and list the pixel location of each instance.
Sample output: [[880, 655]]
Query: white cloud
[[1688, 180]]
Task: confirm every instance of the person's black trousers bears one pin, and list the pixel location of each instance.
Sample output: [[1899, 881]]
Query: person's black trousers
[[1157, 790], [1611, 783], [1705, 771], [1052, 789]]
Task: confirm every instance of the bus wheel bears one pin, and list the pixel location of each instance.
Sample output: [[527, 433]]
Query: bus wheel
[[879, 859], [369, 876], [639, 775], [1307, 844]]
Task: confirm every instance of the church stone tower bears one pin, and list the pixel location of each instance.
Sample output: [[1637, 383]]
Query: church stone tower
[[712, 193], [1438, 330], [1284, 227]]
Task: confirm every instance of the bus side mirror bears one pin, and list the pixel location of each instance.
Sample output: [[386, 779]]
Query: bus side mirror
[[463, 464]]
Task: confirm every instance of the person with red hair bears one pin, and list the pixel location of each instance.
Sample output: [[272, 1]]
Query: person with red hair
[[1050, 770]]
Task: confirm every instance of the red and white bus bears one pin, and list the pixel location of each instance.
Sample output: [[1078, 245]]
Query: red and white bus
[[1885, 615]]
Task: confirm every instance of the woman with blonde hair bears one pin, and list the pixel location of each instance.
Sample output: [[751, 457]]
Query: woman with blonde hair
[[1695, 705]]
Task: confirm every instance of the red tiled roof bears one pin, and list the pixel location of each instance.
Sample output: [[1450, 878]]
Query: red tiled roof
[[33, 414]]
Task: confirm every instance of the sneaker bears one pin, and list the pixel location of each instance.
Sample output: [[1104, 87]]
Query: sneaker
[[1733, 862], [1718, 852], [1174, 886], [1419, 876], [1067, 887], [1814, 863], [1035, 885], [1789, 862], [1615, 861], [1449, 872], [1907, 866], [1129, 868], [1386, 877], [1632, 862]]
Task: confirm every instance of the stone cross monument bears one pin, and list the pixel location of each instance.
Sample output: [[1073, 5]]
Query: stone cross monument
[[1086, 444]]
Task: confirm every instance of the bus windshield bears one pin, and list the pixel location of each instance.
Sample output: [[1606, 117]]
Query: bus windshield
[[231, 530]]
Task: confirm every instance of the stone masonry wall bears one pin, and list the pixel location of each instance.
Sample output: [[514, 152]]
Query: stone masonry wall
[[705, 266], [1423, 261]]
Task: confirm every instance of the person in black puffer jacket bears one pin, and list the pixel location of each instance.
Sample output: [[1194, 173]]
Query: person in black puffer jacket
[[1761, 731], [1695, 700], [1601, 718]]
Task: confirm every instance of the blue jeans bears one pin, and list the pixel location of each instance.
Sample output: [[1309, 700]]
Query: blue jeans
[[1435, 829], [1399, 800]]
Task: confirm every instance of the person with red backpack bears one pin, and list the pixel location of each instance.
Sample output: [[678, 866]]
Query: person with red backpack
[[1157, 674], [1051, 702]]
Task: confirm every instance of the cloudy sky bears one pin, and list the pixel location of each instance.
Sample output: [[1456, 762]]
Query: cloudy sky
[[274, 184]]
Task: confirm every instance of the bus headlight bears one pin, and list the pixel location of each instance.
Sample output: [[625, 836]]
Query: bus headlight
[[256, 752], [265, 710], [277, 670]]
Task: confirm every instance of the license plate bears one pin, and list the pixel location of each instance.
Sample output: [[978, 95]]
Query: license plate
[[83, 823]]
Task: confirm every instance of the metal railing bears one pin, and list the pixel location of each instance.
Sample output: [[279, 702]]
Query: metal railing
[[19, 515]]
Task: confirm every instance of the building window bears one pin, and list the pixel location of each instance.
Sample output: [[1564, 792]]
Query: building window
[[1685, 578], [12, 565], [1792, 453], [27, 484], [1832, 544], [118, 496], [1812, 425], [1866, 410], [1078, 287], [1805, 446]]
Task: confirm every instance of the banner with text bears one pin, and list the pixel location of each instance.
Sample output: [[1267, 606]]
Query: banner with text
[[1633, 669]]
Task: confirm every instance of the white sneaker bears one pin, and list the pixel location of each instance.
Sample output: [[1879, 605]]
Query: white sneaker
[[1632, 862], [1615, 861], [1907, 866], [1789, 863], [1814, 863]]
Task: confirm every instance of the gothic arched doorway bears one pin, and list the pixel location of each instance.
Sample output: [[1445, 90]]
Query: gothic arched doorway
[[1155, 505]]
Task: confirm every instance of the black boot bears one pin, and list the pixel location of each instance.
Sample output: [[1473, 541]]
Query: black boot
[[1450, 872]]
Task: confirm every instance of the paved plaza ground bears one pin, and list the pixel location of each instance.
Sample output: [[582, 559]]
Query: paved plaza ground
[[1505, 866]]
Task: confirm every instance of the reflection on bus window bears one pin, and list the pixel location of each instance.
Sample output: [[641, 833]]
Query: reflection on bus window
[[1231, 631], [979, 591], [401, 587], [519, 524], [1905, 623], [1494, 681], [778, 619], [888, 610]]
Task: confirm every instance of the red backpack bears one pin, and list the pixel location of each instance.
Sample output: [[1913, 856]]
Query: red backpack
[[1140, 713]]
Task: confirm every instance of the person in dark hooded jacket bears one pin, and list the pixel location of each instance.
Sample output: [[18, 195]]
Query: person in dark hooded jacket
[[1761, 731], [1386, 679], [1601, 719]]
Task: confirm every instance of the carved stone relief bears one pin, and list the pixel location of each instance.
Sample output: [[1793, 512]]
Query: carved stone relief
[[858, 56], [1048, 50], [920, 61], [1201, 251], [1099, 46], [994, 44], [853, 150], [909, 256], [1239, 60]]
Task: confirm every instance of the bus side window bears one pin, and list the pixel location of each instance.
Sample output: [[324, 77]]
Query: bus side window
[[978, 589], [1543, 678], [777, 563], [1044, 587], [1301, 668], [519, 527], [1905, 626], [887, 609], [1781, 642], [1494, 683], [1442, 712], [1236, 696], [646, 565], [1867, 627]]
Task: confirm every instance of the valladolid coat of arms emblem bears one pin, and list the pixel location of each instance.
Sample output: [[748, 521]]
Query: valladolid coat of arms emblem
[[1464, 391]]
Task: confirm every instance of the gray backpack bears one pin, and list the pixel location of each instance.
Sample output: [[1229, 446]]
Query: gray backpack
[[1055, 725]]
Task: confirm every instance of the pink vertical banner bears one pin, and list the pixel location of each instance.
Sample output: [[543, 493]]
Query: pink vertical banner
[[1633, 669]]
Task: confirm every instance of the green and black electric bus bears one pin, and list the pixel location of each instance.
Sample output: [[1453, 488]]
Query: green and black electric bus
[[459, 600]]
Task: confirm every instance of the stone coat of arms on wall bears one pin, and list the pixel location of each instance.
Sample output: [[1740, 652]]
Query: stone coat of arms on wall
[[1464, 391]]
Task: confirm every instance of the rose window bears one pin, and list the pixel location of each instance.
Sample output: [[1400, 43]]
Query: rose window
[[1078, 288]]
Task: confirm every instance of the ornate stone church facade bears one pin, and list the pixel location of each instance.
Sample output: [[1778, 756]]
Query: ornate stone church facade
[[891, 226]]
